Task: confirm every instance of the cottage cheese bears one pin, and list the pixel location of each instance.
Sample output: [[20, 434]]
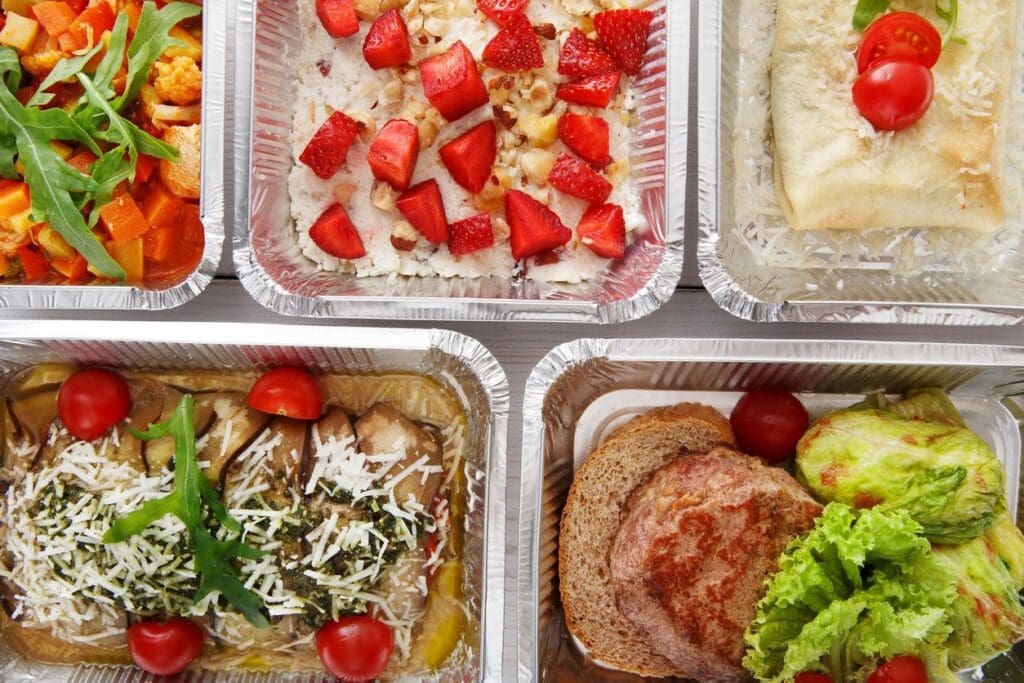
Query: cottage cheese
[[333, 76]]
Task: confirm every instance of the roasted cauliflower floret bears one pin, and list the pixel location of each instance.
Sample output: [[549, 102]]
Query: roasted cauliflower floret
[[40, 64], [179, 81], [182, 176]]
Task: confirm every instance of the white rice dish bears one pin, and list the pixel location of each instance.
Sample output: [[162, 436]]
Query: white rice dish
[[759, 224], [374, 97]]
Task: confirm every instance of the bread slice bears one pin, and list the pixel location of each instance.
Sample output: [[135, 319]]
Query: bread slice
[[590, 522]]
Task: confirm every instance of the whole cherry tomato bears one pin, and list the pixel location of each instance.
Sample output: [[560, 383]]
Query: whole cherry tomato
[[905, 669], [811, 677], [292, 392], [769, 424], [355, 648], [894, 94], [899, 35], [92, 401], [165, 648]]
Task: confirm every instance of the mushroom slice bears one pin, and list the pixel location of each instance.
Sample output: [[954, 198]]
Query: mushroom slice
[[383, 430], [234, 429], [159, 452], [334, 426]]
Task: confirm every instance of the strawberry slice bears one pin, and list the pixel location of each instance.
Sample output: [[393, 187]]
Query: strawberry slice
[[334, 233], [338, 17], [576, 179], [580, 56], [393, 154], [326, 152], [423, 207], [623, 34], [587, 136], [470, 157], [452, 83], [592, 91], [387, 43], [533, 227], [501, 11], [471, 234], [603, 230], [515, 48]]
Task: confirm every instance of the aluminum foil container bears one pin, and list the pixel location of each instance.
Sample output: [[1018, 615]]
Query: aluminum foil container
[[584, 389], [462, 365], [271, 266], [212, 200], [909, 277]]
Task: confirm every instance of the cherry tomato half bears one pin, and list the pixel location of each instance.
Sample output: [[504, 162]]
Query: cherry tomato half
[[811, 677], [164, 648], [900, 35], [894, 94], [355, 648], [92, 401], [292, 392], [768, 424], [905, 669]]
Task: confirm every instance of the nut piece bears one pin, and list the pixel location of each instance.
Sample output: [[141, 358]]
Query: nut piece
[[383, 196], [537, 164], [394, 90], [491, 197], [540, 96], [404, 236], [546, 31], [366, 124], [542, 131], [343, 192], [428, 127]]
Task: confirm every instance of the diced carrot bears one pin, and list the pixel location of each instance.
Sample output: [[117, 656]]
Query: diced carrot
[[5, 265], [159, 242], [123, 220], [78, 5], [144, 169], [160, 207], [55, 16], [130, 257], [88, 28], [75, 269], [14, 199], [33, 263], [83, 161], [185, 253]]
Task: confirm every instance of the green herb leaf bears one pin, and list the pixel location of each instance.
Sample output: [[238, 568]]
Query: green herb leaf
[[866, 12], [66, 68], [191, 489], [152, 38], [112, 61], [949, 16]]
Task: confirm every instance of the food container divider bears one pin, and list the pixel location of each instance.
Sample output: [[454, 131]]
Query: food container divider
[[275, 272], [212, 202], [836, 284], [461, 364], [585, 388]]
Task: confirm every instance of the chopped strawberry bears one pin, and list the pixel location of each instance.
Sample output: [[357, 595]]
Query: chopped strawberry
[[470, 157], [515, 48], [501, 11], [623, 34], [334, 233], [580, 56], [577, 179], [603, 230], [533, 227], [550, 257], [471, 234], [423, 207], [452, 83], [326, 152], [338, 17], [393, 154], [587, 136], [387, 43], [592, 91]]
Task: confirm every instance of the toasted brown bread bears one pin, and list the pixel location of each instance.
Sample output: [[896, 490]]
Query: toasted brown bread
[[590, 522]]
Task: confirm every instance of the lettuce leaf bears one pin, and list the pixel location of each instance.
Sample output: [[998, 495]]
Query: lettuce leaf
[[858, 589]]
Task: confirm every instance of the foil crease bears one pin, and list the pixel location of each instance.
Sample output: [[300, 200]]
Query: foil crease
[[460, 363], [216, 120], [275, 272], [862, 293], [573, 376]]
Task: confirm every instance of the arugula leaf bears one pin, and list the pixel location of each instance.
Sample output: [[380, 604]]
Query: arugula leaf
[[54, 184], [65, 69], [112, 61], [866, 12], [191, 489], [152, 38], [949, 16]]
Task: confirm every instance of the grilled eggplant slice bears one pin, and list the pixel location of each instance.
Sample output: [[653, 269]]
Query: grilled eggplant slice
[[382, 429]]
